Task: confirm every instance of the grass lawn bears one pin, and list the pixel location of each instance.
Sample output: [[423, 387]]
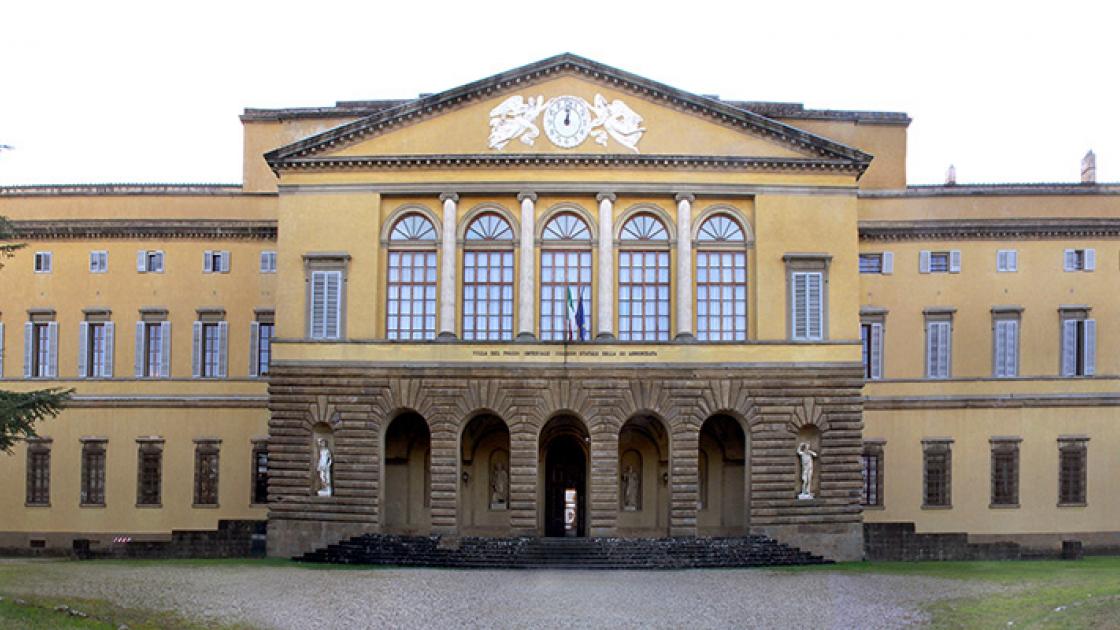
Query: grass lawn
[[1044, 594]]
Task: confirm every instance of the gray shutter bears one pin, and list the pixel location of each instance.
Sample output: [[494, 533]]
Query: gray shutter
[[165, 349], [955, 261], [254, 338], [923, 261], [28, 348], [107, 368], [140, 350], [52, 349], [207, 261], [83, 346], [223, 349], [317, 308], [945, 349], [876, 345], [142, 261], [334, 305], [999, 357], [225, 261], [1001, 260], [800, 299], [1, 350], [196, 358], [1069, 347], [1090, 350], [1070, 258], [888, 262], [93, 262], [264, 262], [159, 262], [1090, 259], [1012, 348], [816, 305], [1013, 260]]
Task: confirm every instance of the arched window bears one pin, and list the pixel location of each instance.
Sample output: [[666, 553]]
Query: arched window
[[565, 279], [721, 280], [643, 280], [411, 295], [488, 279]]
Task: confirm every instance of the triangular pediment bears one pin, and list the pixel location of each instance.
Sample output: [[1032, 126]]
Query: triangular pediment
[[566, 108]]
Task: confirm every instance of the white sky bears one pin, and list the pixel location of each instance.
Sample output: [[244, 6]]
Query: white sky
[[150, 92]]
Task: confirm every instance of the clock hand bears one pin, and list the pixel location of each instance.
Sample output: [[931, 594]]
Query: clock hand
[[567, 115]]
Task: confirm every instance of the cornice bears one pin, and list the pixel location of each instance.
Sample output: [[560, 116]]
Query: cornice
[[988, 229], [1041, 189], [1012, 401], [721, 112], [572, 160], [145, 228], [60, 190]]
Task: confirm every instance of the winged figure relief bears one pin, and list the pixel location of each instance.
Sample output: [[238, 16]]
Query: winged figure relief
[[514, 119], [617, 120]]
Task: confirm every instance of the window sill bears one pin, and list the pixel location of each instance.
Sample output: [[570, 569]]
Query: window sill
[[92, 505], [874, 508], [149, 506], [258, 505], [1072, 505], [37, 505], [1003, 506], [205, 506], [937, 507]]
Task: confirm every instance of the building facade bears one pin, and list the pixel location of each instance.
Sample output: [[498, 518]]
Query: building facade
[[567, 300]]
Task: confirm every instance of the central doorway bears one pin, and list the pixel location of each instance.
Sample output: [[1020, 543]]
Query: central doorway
[[564, 451]]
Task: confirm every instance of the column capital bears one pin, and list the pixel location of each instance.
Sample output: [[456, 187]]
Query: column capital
[[608, 196], [449, 195], [689, 197], [531, 196]]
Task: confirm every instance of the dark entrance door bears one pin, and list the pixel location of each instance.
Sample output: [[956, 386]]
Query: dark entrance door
[[565, 469]]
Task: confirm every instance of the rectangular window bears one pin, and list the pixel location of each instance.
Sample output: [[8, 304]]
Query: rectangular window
[[871, 462], [93, 473], [1005, 472], [882, 262], [38, 471], [1079, 342], [215, 261], [1079, 259], [149, 261], [41, 346], [936, 473], [808, 307], [98, 262], [211, 337], [1072, 470], [268, 262], [643, 295], [206, 472], [260, 473], [1005, 343], [43, 262], [325, 304], [153, 345], [871, 336], [411, 295], [260, 346], [564, 271], [149, 472], [939, 262], [488, 295], [95, 346], [1007, 260], [721, 296], [939, 345]]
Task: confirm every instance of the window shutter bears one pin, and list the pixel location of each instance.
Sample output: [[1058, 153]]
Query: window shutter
[[945, 348], [52, 349], [923, 261], [83, 345], [1012, 351], [165, 349], [1090, 259], [1003, 260], [317, 307], [800, 301], [816, 306], [159, 262], [1070, 260], [93, 262], [142, 261], [254, 333], [264, 262], [1090, 350], [28, 348], [196, 358], [1013, 260], [888, 262], [225, 261], [139, 372], [1069, 347], [334, 304], [931, 349], [1000, 342], [955, 261], [107, 368], [223, 349], [208, 261], [876, 351], [1, 350]]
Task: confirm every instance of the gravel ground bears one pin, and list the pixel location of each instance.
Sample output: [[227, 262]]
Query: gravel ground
[[295, 597]]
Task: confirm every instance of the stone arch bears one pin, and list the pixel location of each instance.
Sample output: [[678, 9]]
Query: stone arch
[[406, 474], [724, 491], [564, 462], [567, 207], [321, 431], [484, 475], [410, 208], [651, 209], [488, 207], [809, 434], [645, 509], [726, 209]]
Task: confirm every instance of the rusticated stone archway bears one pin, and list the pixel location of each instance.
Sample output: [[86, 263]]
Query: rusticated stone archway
[[643, 498], [484, 477], [723, 484], [564, 464], [406, 492]]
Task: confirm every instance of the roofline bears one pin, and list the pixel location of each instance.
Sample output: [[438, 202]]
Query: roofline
[[114, 189], [995, 190], [381, 120], [989, 229]]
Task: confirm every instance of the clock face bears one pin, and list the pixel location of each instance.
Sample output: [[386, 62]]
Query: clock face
[[567, 121]]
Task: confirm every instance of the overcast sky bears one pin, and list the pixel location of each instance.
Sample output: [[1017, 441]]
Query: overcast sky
[[151, 91]]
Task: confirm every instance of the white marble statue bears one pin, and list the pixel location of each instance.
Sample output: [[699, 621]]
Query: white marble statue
[[631, 488], [514, 119], [806, 455], [617, 120], [499, 487], [323, 467]]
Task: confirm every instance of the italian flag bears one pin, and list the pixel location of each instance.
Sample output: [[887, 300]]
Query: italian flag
[[575, 316]]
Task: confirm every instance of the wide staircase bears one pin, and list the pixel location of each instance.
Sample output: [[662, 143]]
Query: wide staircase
[[562, 553]]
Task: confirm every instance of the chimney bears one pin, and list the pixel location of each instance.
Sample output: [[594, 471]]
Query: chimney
[[951, 176], [1089, 168]]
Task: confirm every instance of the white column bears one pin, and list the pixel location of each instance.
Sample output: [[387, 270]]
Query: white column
[[448, 259], [527, 286], [684, 266], [606, 266]]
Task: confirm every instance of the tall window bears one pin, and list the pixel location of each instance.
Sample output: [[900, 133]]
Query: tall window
[[149, 472], [411, 301], [206, 472], [38, 471], [1005, 471], [41, 346], [643, 280], [1072, 469], [93, 473], [939, 343], [260, 473], [488, 280], [95, 346], [1079, 342], [871, 336], [565, 279], [260, 343], [211, 340], [326, 305], [871, 462], [937, 473], [153, 345], [721, 281], [1005, 342]]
